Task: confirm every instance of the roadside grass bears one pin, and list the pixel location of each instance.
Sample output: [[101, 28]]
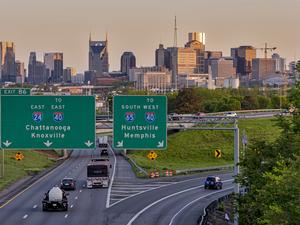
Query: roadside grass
[[33, 162], [195, 149]]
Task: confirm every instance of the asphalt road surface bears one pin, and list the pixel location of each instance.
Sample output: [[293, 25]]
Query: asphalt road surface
[[128, 200]]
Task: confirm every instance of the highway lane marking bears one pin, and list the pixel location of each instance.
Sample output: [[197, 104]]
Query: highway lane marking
[[119, 195], [43, 177], [66, 215], [112, 178], [142, 192], [34, 206], [76, 197], [25, 216], [195, 200], [71, 206], [164, 198], [80, 191]]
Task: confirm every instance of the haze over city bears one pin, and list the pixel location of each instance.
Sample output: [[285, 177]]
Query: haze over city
[[139, 26]]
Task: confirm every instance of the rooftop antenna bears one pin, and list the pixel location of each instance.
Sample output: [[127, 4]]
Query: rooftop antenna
[[175, 33]]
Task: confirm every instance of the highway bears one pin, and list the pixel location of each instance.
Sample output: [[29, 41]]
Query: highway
[[128, 200]]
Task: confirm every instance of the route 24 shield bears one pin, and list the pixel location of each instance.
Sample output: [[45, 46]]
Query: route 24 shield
[[58, 116], [37, 116], [129, 116], [150, 116]]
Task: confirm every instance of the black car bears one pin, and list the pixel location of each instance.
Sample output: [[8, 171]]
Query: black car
[[213, 182], [104, 153], [68, 184]]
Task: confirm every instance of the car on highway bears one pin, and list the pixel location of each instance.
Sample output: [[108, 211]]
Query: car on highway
[[199, 115], [174, 116], [55, 199], [230, 114], [104, 153], [68, 184], [213, 182]]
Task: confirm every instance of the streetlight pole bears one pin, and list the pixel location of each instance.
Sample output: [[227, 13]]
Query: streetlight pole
[[236, 166]]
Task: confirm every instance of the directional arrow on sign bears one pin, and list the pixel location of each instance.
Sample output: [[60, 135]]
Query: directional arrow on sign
[[218, 153], [7, 143], [119, 144], [160, 144], [48, 143], [88, 143]]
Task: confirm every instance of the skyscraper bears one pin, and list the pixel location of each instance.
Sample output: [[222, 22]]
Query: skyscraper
[[197, 42], [32, 68], [20, 72], [54, 63], [243, 56], [162, 57], [263, 68], [98, 57], [7, 61], [280, 63], [197, 36], [128, 61]]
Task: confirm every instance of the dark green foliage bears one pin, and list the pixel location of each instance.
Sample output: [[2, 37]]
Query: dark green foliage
[[271, 171]]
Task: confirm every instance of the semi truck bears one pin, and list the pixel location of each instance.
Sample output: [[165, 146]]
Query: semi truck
[[98, 173], [103, 142]]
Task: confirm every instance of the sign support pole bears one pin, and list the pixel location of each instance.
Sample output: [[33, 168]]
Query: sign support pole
[[236, 166], [2, 170]]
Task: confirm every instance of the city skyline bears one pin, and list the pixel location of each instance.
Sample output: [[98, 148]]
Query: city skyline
[[141, 27]]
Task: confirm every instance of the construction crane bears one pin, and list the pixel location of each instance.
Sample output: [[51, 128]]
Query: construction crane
[[266, 49]]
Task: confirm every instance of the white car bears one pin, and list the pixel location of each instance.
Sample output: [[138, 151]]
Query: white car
[[230, 114]]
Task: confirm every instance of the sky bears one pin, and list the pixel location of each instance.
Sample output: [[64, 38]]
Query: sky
[[141, 25]]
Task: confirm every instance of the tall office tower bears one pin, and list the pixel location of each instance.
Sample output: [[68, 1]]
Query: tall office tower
[[182, 61], [262, 68], [32, 68], [20, 72], [197, 36], [243, 56], [280, 63], [7, 61], [41, 75], [54, 63], [128, 61], [98, 57], [162, 57], [197, 42], [69, 72], [209, 56], [223, 68]]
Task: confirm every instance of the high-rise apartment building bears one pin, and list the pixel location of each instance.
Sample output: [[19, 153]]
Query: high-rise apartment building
[[7, 61], [20, 72], [98, 57], [128, 61], [69, 72], [197, 36], [54, 64], [280, 63], [223, 68], [263, 68], [243, 57]]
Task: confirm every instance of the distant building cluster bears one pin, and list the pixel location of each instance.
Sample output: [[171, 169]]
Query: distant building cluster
[[175, 67]]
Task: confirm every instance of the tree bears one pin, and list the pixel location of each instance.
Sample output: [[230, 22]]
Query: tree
[[188, 101]]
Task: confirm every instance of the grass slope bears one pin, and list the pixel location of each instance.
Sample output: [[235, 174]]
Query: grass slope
[[34, 161], [195, 149]]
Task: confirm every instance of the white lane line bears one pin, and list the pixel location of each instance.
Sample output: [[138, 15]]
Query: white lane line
[[117, 191], [71, 206], [112, 178], [80, 191], [195, 200], [166, 185], [120, 195], [83, 185], [134, 185], [164, 198], [132, 188], [25, 216], [43, 177], [66, 215], [76, 197], [34, 206]]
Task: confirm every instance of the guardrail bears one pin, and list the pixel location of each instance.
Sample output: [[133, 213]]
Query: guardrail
[[197, 170]]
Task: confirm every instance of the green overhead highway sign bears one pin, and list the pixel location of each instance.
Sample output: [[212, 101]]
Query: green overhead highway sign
[[15, 91], [47, 122], [140, 122]]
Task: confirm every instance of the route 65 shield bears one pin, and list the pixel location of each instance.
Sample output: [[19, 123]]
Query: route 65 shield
[[129, 116], [150, 116], [58, 116], [37, 116]]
